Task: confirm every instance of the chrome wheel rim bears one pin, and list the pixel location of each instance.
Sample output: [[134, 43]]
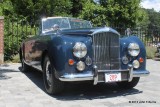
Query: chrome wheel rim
[[48, 73]]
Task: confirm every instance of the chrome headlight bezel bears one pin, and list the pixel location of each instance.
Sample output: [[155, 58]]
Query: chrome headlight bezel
[[133, 49], [79, 50]]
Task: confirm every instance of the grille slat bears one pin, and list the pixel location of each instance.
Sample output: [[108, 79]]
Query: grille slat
[[106, 50]]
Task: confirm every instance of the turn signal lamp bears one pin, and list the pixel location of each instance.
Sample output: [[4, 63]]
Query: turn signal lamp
[[141, 60], [70, 61]]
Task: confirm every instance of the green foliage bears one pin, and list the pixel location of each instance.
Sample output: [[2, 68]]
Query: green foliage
[[61, 7], [154, 18], [150, 51], [112, 12], [94, 13], [77, 6], [6, 8], [105, 12], [15, 31], [121, 13], [16, 59], [36, 9], [143, 21]]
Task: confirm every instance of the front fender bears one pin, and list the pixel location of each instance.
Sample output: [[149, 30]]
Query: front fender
[[61, 50], [124, 42]]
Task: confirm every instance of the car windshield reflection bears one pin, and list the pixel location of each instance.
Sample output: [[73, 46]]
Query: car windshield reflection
[[56, 23]]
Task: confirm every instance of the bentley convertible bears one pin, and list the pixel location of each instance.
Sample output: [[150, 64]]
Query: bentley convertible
[[69, 49]]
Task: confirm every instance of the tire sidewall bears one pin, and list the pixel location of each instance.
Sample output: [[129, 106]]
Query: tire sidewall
[[48, 88], [56, 86]]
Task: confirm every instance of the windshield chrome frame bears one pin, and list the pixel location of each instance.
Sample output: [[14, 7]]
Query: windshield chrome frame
[[43, 19]]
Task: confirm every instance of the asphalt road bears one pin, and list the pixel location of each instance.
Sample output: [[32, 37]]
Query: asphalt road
[[19, 89]]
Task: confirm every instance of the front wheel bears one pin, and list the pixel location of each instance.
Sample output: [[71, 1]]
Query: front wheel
[[51, 83], [129, 85]]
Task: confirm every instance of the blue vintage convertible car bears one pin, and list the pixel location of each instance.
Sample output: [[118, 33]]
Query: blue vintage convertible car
[[70, 49]]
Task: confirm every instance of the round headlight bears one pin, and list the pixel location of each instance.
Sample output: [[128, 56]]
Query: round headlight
[[136, 64], [80, 66], [133, 49], [79, 50]]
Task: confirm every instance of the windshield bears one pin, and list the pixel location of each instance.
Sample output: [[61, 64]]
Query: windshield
[[78, 23], [55, 23]]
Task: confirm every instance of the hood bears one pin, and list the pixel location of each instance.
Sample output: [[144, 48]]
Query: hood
[[88, 31]]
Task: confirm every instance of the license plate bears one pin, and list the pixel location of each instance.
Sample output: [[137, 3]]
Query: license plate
[[112, 77]]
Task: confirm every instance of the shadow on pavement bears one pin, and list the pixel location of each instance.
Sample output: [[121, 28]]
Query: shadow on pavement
[[35, 76], [3, 76], [90, 92], [4, 65], [82, 91]]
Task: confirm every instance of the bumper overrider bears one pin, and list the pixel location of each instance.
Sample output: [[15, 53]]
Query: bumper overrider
[[94, 76]]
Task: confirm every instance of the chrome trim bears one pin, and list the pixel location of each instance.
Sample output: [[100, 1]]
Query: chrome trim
[[76, 77], [80, 44], [95, 74], [129, 48], [90, 76], [88, 61], [105, 29], [123, 70], [106, 51], [140, 73], [34, 64], [130, 66], [69, 23]]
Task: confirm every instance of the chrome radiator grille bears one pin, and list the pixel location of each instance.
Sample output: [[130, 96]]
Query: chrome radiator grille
[[106, 51]]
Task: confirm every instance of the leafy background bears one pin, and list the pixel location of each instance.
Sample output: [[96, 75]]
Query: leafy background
[[26, 13]]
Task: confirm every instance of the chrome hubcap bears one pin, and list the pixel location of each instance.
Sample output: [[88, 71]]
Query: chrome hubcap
[[48, 73]]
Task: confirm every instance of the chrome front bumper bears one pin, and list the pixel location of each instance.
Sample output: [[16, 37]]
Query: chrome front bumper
[[77, 77], [90, 76]]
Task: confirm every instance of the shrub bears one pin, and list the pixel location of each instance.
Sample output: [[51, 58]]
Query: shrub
[[150, 51]]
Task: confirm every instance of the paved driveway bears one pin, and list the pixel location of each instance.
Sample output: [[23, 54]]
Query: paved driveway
[[26, 90]]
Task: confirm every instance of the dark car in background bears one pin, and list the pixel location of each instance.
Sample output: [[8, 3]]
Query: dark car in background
[[69, 49]]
